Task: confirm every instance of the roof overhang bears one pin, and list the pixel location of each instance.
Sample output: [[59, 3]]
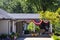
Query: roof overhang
[[17, 16], [24, 16]]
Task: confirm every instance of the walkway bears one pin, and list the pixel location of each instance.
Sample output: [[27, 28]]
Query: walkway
[[34, 38]]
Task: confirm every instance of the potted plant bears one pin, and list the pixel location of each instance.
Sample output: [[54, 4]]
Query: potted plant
[[12, 36], [32, 33], [16, 36], [31, 28], [26, 32]]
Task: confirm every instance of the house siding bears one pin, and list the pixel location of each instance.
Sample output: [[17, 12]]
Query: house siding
[[4, 26]]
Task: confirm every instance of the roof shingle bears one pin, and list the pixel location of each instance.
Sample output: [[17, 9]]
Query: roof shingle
[[6, 15]]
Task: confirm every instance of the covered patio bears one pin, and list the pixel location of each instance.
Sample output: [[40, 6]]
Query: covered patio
[[14, 22], [20, 20]]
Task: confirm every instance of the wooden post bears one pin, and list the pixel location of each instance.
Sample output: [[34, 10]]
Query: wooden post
[[51, 28], [13, 26]]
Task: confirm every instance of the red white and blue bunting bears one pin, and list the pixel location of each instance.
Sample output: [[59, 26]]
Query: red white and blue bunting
[[37, 22]]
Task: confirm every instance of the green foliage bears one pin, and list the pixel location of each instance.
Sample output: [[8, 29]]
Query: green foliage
[[58, 11], [53, 17], [54, 37], [3, 36], [14, 6], [44, 4], [17, 35], [28, 6], [57, 29], [37, 29], [31, 26], [13, 34]]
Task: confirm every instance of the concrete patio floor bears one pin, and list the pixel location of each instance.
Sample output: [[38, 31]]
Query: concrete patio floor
[[34, 38]]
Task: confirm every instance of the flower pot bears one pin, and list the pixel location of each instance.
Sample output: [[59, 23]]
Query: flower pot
[[32, 34], [50, 34], [36, 34]]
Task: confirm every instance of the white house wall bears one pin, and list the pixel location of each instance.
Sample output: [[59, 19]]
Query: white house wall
[[4, 26]]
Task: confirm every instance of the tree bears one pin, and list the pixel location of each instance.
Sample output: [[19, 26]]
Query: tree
[[28, 6], [44, 4], [53, 17]]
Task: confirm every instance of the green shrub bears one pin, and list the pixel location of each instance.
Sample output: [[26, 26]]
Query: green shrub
[[14, 34], [31, 27], [37, 29], [55, 37], [57, 29], [3, 35]]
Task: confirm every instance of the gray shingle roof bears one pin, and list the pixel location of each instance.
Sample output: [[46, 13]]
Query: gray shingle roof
[[25, 16], [6, 15]]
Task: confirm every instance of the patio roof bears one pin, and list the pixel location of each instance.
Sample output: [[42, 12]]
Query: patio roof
[[24, 16], [6, 15]]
